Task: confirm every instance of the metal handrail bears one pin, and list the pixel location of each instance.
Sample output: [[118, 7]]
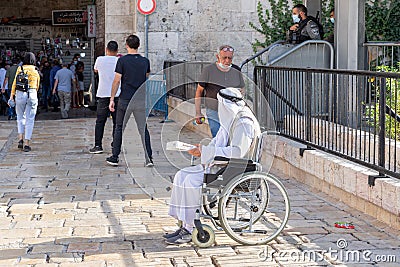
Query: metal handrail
[[260, 53], [381, 44], [299, 46]]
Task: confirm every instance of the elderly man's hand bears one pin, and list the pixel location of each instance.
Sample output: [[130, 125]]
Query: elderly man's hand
[[195, 151]]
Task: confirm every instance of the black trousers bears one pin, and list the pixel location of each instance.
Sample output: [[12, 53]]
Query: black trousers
[[123, 115], [103, 112]]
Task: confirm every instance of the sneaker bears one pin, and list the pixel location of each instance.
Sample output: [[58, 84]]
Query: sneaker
[[183, 237], [21, 144], [149, 163], [27, 148], [166, 236], [112, 161], [96, 150]]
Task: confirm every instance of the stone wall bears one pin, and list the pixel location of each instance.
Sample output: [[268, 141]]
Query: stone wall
[[119, 21], [100, 27], [193, 30]]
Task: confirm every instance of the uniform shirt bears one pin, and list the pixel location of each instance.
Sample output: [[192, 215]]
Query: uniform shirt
[[33, 76], [105, 65]]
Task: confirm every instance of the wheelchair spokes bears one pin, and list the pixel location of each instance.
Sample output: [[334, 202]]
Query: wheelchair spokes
[[254, 208]]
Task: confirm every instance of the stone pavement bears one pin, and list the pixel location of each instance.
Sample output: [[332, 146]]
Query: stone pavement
[[61, 206]]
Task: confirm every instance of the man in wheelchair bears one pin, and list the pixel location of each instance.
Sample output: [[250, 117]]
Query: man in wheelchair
[[236, 139]]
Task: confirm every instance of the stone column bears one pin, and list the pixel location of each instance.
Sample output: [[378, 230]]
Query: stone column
[[120, 17], [349, 39], [350, 19]]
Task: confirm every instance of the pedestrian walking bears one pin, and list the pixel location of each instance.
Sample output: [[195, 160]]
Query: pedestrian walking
[[131, 71], [63, 86], [26, 99], [7, 86], [105, 67]]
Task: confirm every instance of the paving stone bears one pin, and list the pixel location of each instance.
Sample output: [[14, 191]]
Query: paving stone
[[104, 217], [83, 247], [50, 248]]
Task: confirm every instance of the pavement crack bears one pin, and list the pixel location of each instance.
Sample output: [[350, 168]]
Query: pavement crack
[[214, 261], [4, 150], [144, 254]]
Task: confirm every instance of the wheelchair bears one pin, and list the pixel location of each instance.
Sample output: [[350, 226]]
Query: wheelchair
[[252, 207]]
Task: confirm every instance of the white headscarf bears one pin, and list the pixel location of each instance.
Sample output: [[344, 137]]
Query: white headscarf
[[231, 143], [227, 110]]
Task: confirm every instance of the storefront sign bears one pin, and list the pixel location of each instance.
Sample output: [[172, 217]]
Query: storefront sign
[[91, 21], [69, 17]]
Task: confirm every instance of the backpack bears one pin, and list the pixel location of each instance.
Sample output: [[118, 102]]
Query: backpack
[[22, 81]]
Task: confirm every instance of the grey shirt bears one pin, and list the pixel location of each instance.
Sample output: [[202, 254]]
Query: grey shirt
[[64, 77]]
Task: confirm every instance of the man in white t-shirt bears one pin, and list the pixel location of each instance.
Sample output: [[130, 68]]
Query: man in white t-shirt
[[105, 67]]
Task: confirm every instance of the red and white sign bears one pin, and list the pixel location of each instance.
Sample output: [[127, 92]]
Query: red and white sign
[[146, 7], [91, 20]]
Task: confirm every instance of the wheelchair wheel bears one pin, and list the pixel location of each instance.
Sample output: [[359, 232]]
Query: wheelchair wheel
[[206, 241], [254, 208]]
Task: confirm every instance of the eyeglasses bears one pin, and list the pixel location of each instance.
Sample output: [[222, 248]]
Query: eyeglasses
[[227, 49]]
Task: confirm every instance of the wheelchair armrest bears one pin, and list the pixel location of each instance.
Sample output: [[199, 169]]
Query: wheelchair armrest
[[224, 160]]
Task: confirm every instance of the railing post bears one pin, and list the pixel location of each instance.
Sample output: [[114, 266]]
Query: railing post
[[382, 118], [308, 99]]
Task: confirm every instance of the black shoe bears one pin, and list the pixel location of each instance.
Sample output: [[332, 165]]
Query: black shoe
[[21, 144], [149, 163], [27, 148], [96, 150], [166, 236], [183, 237], [112, 160]]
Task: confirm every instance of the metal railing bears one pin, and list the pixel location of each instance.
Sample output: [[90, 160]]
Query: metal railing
[[382, 54], [182, 78], [308, 54], [352, 114]]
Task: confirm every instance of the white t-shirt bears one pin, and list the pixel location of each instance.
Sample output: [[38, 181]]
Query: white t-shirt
[[105, 65]]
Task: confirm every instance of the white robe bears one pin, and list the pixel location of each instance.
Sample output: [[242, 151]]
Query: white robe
[[186, 191]]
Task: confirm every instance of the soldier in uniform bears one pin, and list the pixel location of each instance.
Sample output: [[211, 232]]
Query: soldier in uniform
[[305, 27]]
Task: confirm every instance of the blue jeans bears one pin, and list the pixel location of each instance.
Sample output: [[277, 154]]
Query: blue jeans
[[10, 110], [45, 94], [213, 121]]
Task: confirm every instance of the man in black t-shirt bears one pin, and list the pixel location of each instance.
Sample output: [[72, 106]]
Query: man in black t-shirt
[[131, 71], [214, 77]]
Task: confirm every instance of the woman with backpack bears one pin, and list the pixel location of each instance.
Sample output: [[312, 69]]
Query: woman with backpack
[[24, 89]]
